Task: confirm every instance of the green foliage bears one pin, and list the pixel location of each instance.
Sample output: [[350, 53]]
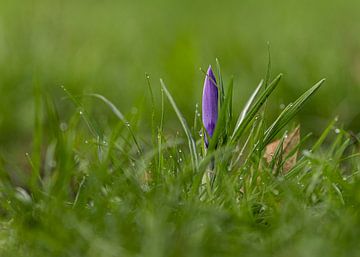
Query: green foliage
[[97, 190]]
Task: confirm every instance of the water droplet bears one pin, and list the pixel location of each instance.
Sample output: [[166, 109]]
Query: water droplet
[[282, 106], [134, 110], [91, 204], [281, 178], [22, 195], [127, 124], [180, 151], [300, 184], [52, 164], [81, 112], [337, 131], [63, 126], [86, 142]]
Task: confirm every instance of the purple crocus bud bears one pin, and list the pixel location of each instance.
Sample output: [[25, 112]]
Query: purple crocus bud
[[209, 104]]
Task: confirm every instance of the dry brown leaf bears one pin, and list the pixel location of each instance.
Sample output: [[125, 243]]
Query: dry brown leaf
[[290, 142], [146, 177]]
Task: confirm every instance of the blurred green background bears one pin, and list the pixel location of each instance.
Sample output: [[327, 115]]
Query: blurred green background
[[107, 47]]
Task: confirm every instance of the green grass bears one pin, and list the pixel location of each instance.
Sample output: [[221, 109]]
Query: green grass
[[93, 189], [99, 158]]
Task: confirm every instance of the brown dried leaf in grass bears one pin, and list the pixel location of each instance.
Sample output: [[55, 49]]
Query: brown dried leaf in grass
[[289, 144]]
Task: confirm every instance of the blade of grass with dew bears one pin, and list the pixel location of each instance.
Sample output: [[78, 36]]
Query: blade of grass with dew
[[121, 117], [221, 83], [191, 141], [323, 136], [92, 126], [152, 100], [95, 131], [205, 162], [243, 124], [64, 145], [160, 135], [37, 137], [247, 106], [288, 113]]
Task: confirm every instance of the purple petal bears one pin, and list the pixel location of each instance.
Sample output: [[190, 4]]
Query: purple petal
[[210, 103]]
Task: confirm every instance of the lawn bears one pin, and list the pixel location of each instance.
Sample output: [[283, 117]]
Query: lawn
[[104, 145]]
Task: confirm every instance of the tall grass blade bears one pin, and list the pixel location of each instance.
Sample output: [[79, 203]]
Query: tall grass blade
[[191, 141], [121, 117], [248, 114], [288, 113]]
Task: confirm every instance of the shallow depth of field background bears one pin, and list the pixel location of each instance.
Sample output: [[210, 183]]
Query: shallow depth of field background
[[107, 47]]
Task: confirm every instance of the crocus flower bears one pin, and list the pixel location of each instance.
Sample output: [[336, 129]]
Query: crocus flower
[[209, 104]]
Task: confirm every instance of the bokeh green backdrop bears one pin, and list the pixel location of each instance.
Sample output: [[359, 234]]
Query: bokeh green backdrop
[[107, 47]]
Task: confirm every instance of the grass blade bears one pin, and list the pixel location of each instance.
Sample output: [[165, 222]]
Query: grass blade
[[288, 113], [121, 117], [220, 83], [191, 141], [247, 106], [249, 115]]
